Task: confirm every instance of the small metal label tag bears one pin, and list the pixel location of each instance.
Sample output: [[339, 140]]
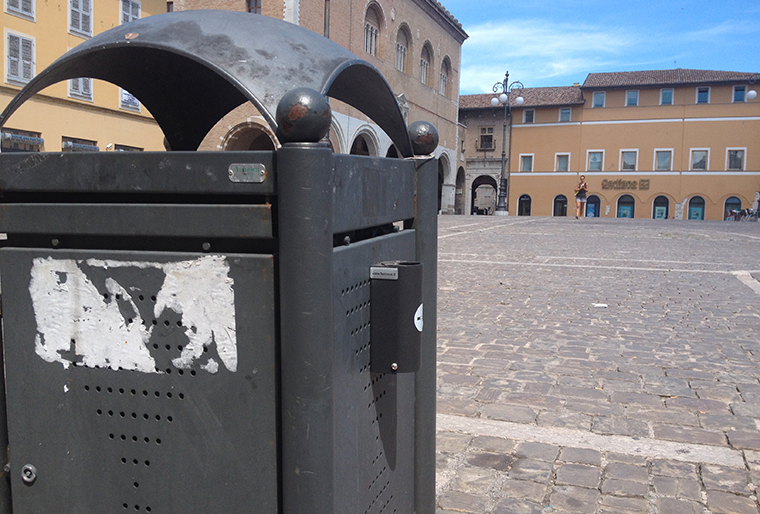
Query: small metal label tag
[[247, 172], [380, 273]]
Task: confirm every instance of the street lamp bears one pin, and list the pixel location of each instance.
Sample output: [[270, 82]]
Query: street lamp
[[752, 94], [505, 90]]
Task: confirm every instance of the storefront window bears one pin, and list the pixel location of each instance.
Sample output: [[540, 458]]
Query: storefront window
[[626, 205], [660, 208], [697, 208], [523, 206], [732, 206], [560, 205], [593, 206]]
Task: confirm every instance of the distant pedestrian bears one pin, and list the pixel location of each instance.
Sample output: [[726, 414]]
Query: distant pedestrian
[[580, 197]]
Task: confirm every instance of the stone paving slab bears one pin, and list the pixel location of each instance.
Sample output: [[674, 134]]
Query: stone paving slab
[[598, 366]]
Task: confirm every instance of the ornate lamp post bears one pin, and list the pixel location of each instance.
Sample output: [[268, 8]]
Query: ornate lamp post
[[505, 90], [752, 94]]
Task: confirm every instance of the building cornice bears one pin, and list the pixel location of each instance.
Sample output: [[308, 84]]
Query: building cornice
[[444, 18]]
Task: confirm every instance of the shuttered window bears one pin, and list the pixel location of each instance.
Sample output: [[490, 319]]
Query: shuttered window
[[20, 55], [130, 10], [80, 17], [81, 88], [23, 8]]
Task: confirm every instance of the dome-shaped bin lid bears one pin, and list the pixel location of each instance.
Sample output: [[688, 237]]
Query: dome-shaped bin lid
[[191, 68]]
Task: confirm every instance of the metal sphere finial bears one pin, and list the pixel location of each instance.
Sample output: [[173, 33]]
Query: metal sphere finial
[[424, 137], [303, 116]]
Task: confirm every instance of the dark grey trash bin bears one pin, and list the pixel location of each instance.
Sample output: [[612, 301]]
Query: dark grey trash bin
[[188, 332]]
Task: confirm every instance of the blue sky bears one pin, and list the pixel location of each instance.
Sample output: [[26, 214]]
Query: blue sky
[[558, 42]]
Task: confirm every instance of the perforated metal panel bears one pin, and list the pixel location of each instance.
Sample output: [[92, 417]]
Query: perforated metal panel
[[193, 436], [374, 412]]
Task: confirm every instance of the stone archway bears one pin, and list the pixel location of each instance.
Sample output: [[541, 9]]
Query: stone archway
[[248, 137], [483, 195], [459, 195]]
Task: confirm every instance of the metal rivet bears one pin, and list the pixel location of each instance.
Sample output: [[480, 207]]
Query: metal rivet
[[206, 246], [55, 242], [29, 474], [394, 366]]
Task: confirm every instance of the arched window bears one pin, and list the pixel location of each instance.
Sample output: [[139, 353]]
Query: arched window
[[626, 207], [560, 206], [593, 206], [697, 208], [402, 48], [660, 208], [443, 86], [425, 59], [371, 30], [732, 205], [523, 205], [364, 144]]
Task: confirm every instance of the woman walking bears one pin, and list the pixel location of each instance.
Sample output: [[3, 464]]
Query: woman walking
[[580, 197]]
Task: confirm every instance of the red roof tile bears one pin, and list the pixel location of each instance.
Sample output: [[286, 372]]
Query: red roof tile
[[663, 77], [534, 97]]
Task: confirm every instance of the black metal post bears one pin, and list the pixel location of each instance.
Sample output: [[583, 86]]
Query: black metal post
[[307, 348], [504, 88], [426, 225]]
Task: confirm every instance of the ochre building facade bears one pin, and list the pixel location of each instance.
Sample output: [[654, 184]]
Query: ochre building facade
[[669, 144], [75, 115]]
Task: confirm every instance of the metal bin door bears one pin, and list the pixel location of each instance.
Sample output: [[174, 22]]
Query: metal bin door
[[140, 382]]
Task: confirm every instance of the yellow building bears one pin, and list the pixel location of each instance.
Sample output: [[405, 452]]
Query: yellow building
[[76, 115], [676, 144]]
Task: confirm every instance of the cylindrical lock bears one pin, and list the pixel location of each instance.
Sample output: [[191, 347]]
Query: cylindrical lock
[[396, 316]]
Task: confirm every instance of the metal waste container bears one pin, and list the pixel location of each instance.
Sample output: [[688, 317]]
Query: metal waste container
[[189, 332]]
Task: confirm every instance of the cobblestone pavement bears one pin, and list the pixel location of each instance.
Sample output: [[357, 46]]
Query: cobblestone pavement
[[598, 366]]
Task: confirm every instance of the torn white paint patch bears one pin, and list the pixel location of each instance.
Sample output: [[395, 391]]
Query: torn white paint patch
[[76, 323]]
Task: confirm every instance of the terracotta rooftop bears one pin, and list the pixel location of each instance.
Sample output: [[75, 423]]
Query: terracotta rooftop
[[534, 97], [675, 77]]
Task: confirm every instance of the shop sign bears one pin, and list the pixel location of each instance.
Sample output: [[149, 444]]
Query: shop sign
[[642, 184]]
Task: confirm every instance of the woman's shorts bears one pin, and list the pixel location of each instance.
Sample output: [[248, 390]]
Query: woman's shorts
[[582, 200]]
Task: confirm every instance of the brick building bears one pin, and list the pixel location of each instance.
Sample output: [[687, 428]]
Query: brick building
[[677, 144], [416, 45]]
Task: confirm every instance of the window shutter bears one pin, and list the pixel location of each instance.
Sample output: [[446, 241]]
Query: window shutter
[[26, 6], [86, 16], [87, 87], [26, 56], [74, 86], [125, 11], [14, 5], [14, 54], [135, 11]]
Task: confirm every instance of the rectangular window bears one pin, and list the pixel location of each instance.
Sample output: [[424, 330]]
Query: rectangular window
[[169, 6], [21, 141], [595, 160], [526, 163], [22, 8], [125, 148], [20, 59], [666, 97], [632, 98], [628, 160], [599, 98], [565, 114], [254, 6], [486, 138], [75, 144], [735, 159], [81, 88], [529, 116], [663, 160], [128, 101], [80, 17], [699, 159], [703, 95], [130, 10], [562, 162], [740, 93]]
